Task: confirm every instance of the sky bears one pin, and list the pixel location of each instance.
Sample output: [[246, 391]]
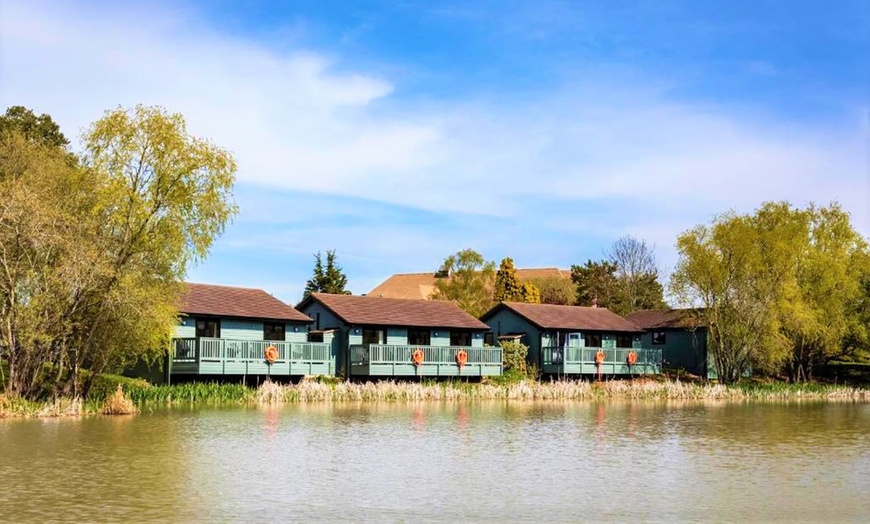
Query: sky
[[398, 133]]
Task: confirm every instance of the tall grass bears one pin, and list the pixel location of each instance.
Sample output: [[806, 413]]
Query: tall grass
[[119, 404]]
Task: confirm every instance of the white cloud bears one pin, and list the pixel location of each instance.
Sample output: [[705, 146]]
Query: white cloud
[[300, 120]]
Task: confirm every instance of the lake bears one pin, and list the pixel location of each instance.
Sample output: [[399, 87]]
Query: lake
[[445, 462]]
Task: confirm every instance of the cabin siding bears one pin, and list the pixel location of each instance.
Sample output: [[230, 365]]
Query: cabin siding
[[506, 321], [683, 348], [186, 328], [397, 335], [241, 329]]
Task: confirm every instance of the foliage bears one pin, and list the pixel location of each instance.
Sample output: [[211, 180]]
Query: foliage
[[507, 287], [94, 253], [119, 404], [555, 290], [331, 280], [469, 282], [514, 357], [41, 129], [779, 289], [637, 284], [530, 293], [596, 285]]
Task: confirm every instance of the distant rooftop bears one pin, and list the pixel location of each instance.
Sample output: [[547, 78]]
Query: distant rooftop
[[422, 285], [237, 302]]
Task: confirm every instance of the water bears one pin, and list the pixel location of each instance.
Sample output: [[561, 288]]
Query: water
[[444, 462]]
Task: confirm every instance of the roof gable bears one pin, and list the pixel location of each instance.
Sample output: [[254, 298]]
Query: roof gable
[[377, 311], [550, 316], [236, 302]]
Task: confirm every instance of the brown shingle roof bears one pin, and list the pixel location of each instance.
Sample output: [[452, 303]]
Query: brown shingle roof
[[664, 318], [550, 316], [422, 285], [239, 302], [376, 311]]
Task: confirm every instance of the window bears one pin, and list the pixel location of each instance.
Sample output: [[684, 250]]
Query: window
[[489, 339], [273, 331], [315, 336], [373, 336], [593, 340], [208, 328], [658, 338], [460, 338], [623, 341], [419, 337]]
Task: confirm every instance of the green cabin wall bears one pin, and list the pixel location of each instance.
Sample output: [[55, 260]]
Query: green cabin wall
[[243, 329], [683, 348]]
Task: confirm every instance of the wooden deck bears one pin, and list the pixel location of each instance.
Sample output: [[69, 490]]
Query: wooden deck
[[221, 356], [438, 361], [581, 361]]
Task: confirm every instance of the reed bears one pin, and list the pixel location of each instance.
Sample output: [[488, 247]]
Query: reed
[[119, 404]]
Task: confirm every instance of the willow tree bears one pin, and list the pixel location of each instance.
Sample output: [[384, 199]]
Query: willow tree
[[100, 259]]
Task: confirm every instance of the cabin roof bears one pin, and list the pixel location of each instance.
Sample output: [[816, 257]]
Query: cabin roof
[[422, 285], [377, 311], [550, 316], [664, 319], [236, 302]]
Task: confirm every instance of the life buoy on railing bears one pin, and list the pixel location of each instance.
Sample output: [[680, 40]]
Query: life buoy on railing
[[271, 354], [632, 358], [599, 357], [417, 357], [461, 357]]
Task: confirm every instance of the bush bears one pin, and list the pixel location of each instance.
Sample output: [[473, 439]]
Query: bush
[[119, 404], [514, 356]]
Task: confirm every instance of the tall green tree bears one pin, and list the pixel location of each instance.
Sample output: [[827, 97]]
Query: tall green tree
[[468, 283], [596, 285], [330, 279], [42, 128], [507, 287], [95, 253], [555, 290], [637, 275]]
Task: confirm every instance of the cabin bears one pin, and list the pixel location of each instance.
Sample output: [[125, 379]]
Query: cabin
[[681, 337], [565, 340], [227, 330], [422, 285], [380, 337]]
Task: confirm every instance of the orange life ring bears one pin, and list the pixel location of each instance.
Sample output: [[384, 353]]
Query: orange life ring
[[599, 357], [632, 358], [461, 357], [417, 356], [271, 354]]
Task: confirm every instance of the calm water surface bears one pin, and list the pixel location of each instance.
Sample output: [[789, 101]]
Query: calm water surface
[[444, 462]]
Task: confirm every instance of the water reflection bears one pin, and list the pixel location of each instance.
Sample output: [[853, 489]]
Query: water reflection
[[444, 461]]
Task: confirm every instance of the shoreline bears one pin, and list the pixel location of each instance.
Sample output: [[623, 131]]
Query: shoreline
[[314, 391]]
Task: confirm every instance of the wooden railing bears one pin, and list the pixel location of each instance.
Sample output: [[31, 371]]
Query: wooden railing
[[585, 355], [401, 354], [203, 349]]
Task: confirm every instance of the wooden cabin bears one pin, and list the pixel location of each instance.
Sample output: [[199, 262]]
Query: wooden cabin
[[565, 340], [379, 337], [679, 334], [226, 331]]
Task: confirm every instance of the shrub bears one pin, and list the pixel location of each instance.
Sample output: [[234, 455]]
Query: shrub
[[514, 357], [119, 404]]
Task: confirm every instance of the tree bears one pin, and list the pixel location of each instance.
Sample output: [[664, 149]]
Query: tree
[[637, 275], [469, 282], [530, 293], [555, 290], [596, 285], [507, 287], [95, 254], [37, 128], [331, 280], [779, 289]]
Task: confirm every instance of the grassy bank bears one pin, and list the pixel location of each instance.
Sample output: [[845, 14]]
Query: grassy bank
[[107, 400]]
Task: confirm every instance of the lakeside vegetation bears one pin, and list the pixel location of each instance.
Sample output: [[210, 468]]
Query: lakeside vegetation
[[120, 395]]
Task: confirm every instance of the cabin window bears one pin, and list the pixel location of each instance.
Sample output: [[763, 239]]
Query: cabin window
[[315, 336], [592, 340], [273, 331], [208, 328], [489, 339], [659, 338], [460, 338], [623, 341], [419, 337], [373, 336]]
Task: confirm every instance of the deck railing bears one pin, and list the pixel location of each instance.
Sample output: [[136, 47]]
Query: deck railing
[[401, 354], [220, 349], [585, 355]]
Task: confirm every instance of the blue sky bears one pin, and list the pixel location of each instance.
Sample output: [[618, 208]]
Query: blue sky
[[400, 132]]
